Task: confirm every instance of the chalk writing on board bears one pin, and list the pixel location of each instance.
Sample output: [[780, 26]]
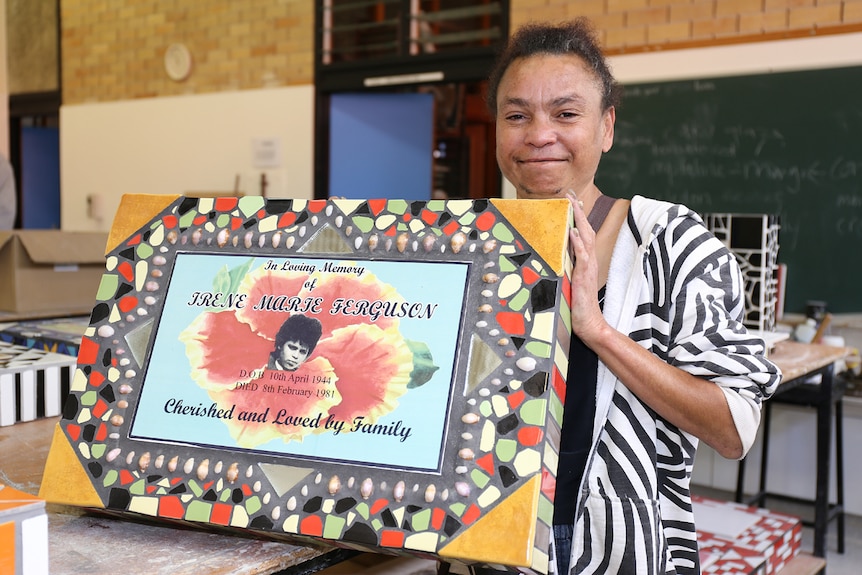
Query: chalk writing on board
[[843, 168], [848, 201], [849, 227], [779, 143]]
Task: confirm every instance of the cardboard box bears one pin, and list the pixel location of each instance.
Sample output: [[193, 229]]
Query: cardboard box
[[48, 270], [23, 533], [735, 538]]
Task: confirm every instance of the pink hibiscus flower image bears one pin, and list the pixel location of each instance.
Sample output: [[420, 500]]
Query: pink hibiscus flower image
[[348, 366]]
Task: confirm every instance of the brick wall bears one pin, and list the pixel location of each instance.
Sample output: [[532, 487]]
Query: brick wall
[[114, 50], [637, 25], [31, 46]]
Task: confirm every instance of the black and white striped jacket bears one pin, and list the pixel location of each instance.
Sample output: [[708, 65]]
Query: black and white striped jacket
[[677, 291]]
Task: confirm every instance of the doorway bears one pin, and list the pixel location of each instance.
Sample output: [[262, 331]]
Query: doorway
[[34, 152], [460, 160], [380, 145]]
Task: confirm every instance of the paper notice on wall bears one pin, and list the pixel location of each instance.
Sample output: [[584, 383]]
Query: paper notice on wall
[[266, 153]]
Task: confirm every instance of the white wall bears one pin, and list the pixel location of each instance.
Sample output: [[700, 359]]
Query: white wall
[[833, 51], [181, 144], [792, 457]]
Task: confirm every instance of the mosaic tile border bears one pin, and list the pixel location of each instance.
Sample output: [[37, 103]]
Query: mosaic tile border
[[500, 455]]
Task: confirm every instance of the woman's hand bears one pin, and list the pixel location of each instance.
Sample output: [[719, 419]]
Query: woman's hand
[[587, 319]]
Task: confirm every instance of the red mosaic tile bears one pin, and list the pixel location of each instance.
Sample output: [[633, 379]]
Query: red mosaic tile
[[311, 525], [486, 462], [511, 322], [221, 513], [390, 538], [126, 270], [225, 204], [377, 206], [287, 219], [88, 352], [378, 505], [172, 507], [472, 514], [127, 304], [485, 221], [529, 436], [529, 274], [517, 398], [438, 516]]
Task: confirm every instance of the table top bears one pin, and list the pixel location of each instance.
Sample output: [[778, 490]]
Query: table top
[[797, 359], [93, 543]]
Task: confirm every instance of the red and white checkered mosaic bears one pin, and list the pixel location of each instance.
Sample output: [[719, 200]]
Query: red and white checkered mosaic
[[764, 547]]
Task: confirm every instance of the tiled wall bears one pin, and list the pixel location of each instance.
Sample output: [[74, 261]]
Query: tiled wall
[[116, 53]]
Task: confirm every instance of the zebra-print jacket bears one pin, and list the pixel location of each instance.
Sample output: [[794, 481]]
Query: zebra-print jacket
[[677, 291]]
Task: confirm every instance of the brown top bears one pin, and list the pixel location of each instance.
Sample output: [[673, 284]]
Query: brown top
[[601, 209]]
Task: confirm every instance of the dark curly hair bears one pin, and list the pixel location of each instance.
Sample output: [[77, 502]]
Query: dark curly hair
[[577, 37], [306, 330]]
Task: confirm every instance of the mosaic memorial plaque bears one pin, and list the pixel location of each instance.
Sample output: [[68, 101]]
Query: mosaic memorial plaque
[[375, 374]]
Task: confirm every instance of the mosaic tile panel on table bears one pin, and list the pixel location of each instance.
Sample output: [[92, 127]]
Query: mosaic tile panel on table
[[61, 336], [775, 538], [500, 453], [753, 239], [32, 382]]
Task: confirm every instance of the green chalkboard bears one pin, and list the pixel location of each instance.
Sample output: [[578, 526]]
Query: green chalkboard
[[785, 143]]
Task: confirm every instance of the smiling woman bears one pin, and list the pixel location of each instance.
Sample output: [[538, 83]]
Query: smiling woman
[[552, 133], [650, 381]]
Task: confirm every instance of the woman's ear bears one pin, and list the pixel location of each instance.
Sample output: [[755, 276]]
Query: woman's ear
[[608, 120]]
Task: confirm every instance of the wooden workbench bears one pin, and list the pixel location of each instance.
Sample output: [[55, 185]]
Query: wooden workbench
[[799, 363], [81, 541]]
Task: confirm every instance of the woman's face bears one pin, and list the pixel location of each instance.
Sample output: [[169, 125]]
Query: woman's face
[[293, 354], [551, 130]]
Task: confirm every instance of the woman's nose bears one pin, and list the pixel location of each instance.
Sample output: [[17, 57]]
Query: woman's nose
[[540, 132]]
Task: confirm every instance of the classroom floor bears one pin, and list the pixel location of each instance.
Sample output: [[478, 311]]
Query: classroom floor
[[836, 564]]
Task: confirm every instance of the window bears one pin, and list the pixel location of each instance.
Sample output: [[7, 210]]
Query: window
[[363, 30]]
